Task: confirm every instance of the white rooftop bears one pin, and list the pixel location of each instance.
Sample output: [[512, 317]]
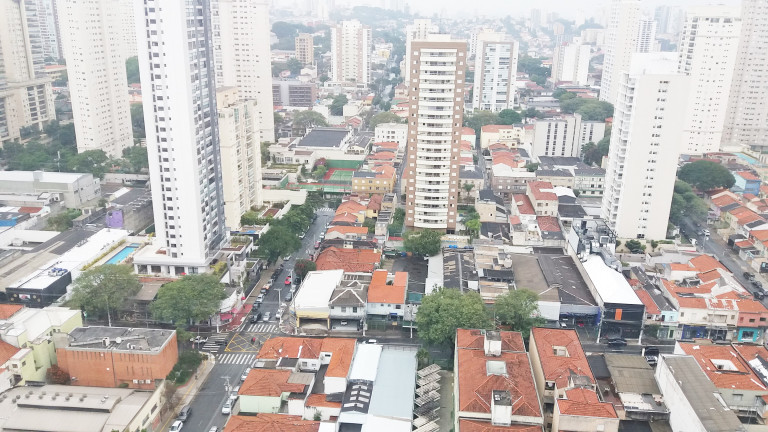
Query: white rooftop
[[316, 291], [366, 362], [44, 176], [610, 284], [655, 63]]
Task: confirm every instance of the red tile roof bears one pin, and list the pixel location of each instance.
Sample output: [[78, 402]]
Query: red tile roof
[[344, 217], [486, 426], [559, 368], [8, 310], [341, 349], [319, 400], [387, 144], [524, 205], [271, 423], [548, 223], [724, 200], [473, 339], [475, 385], [704, 263], [342, 229], [380, 292], [350, 207], [650, 306], [746, 175], [269, 383], [495, 128], [734, 375], [467, 131], [349, 260], [584, 403], [7, 351], [744, 243], [382, 155], [30, 210], [542, 190], [761, 235]]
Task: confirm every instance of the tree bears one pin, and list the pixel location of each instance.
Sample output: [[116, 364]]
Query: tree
[[137, 120], [385, 117], [531, 167], [132, 70], [424, 243], [62, 221], [324, 78], [136, 157], [468, 186], [95, 162], [478, 119], [445, 310], [337, 106], [532, 113], [593, 154], [706, 175], [370, 224], [509, 116], [634, 246], [590, 109], [319, 172], [294, 66], [302, 267], [102, 290], [473, 226], [519, 309], [686, 205], [277, 242], [193, 298], [303, 120]]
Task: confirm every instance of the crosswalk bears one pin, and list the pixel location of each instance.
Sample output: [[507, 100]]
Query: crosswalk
[[262, 328], [236, 358], [325, 209], [215, 342]]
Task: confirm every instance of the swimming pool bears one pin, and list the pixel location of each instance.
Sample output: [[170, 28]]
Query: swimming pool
[[123, 254]]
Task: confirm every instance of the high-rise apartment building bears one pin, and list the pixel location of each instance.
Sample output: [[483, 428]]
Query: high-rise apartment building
[[417, 31], [26, 99], [128, 30], [570, 62], [242, 55], [96, 70], [747, 116], [620, 43], [645, 146], [351, 53], [708, 48], [646, 35], [177, 83], [305, 48], [240, 154], [435, 97], [495, 71], [535, 18], [50, 29], [565, 135]]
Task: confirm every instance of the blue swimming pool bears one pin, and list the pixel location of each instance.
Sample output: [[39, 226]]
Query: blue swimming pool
[[123, 254]]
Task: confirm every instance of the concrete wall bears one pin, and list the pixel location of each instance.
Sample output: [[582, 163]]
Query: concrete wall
[[583, 423], [259, 404]]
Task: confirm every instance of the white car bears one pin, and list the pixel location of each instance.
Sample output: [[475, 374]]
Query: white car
[[244, 376], [176, 426], [227, 408], [198, 340]]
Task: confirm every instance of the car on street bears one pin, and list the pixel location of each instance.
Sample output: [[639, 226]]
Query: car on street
[[227, 408], [198, 340], [317, 244], [266, 317], [287, 280], [255, 317], [302, 235], [176, 426], [214, 429], [706, 232], [289, 296], [265, 288], [757, 284], [286, 258], [260, 298], [748, 276], [184, 413], [616, 343], [244, 376]]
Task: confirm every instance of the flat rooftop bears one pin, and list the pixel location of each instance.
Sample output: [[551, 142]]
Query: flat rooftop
[[562, 270], [102, 338], [324, 137], [43, 176]]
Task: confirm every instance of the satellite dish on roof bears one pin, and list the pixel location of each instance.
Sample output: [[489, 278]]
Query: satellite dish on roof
[[118, 340]]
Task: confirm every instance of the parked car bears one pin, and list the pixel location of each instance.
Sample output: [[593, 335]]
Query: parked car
[[757, 284], [214, 429], [302, 235], [234, 392], [185, 412], [343, 323], [289, 296], [706, 232], [176, 426], [244, 376], [286, 258], [266, 317], [260, 298], [227, 408], [748, 276], [264, 289], [317, 244], [617, 343], [287, 280], [198, 340], [255, 317]]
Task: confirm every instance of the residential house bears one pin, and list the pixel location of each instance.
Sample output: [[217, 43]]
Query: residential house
[[543, 198], [512, 135], [354, 208], [270, 423], [387, 296], [377, 180], [491, 207], [346, 232], [746, 183], [556, 177], [472, 176], [348, 260], [268, 390]]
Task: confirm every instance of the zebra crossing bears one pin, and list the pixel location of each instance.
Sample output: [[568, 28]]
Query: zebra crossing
[[262, 328], [215, 342], [326, 209], [236, 358]]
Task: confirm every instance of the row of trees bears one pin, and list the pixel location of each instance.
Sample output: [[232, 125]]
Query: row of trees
[[476, 120], [283, 236]]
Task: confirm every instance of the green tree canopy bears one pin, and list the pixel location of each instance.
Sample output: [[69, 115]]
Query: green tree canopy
[[476, 120], [303, 267], [102, 290], [193, 298], [294, 66], [593, 154], [136, 158], [95, 162], [337, 106], [62, 221], [706, 175], [137, 120], [424, 243], [385, 117], [519, 309], [686, 205], [445, 310], [509, 116], [634, 246], [303, 120], [590, 109], [277, 242]]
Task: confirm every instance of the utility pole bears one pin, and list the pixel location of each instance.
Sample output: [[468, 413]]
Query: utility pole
[[227, 387]]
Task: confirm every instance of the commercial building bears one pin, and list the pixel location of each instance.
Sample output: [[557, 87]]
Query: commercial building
[[620, 43], [99, 356], [351, 53], [96, 71], [241, 53], [240, 153], [570, 62], [627, 381], [26, 98], [495, 72], [305, 48], [182, 137], [431, 175], [74, 190], [416, 31], [645, 145], [294, 93], [747, 116], [708, 48]]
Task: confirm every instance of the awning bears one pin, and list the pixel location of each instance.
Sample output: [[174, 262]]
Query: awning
[[225, 316]]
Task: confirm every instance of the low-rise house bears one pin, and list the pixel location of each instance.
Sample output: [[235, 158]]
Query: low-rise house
[[346, 232], [511, 135], [387, 295], [270, 423], [378, 180], [556, 177], [746, 183], [472, 176], [507, 181], [490, 207], [268, 390], [543, 198], [348, 260]]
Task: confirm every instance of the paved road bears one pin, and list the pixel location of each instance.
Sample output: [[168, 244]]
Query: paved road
[[240, 351]]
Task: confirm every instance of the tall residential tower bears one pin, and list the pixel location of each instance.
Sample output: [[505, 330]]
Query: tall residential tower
[[416, 31], [495, 71], [351, 53], [620, 43]]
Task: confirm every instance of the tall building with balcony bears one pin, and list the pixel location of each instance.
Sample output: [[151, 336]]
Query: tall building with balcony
[[177, 83], [495, 72], [242, 55], [97, 76], [747, 116], [416, 31], [645, 146], [570, 62], [240, 153], [351, 53], [26, 98], [305, 48], [436, 95], [708, 48], [646, 35], [620, 43]]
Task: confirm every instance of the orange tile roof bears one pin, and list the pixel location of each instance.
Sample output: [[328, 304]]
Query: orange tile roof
[[540, 192], [380, 292], [744, 243], [524, 205], [8, 310], [559, 368], [342, 350], [343, 229], [384, 171], [749, 197], [764, 189], [749, 352], [704, 263], [650, 306], [584, 403], [374, 203], [7, 351], [387, 144], [486, 426], [497, 146], [680, 267], [318, 400], [473, 338], [495, 128], [744, 215], [350, 207], [467, 131], [709, 276], [349, 260], [269, 383], [382, 155], [742, 378], [475, 385], [345, 217], [761, 235], [548, 223], [746, 175], [270, 423], [724, 200]]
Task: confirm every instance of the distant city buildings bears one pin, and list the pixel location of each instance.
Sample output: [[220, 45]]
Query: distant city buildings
[[495, 72], [416, 31], [351, 53], [620, 43], [305, 49], [570, 62]]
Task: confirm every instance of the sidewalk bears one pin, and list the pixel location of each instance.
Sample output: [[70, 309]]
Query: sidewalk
[[185, 393]]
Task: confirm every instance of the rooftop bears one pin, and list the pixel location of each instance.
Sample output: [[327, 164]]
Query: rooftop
[[42, 176], [316, 289], [341, 349], [381, 292], [723, 366], [542, 190], [270, 383], [631, 374], [349, 260], [566, 363], [271, 423], [100, 338], [324, 137], [610, 284]]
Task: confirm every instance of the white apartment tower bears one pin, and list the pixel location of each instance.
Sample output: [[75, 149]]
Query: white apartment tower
[[436, 95], [26, 99], [242, 55], [570, 62], [177, 82], [351, 53], [646, 35], [747, 116], [240, 154], [565, 135], [645, 146], [128, 31], [620, 43], [495, 72], [416, 31], [50, 29], [708, 46], [96, 69]]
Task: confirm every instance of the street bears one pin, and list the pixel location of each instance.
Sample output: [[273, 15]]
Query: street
[[240, 350]]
